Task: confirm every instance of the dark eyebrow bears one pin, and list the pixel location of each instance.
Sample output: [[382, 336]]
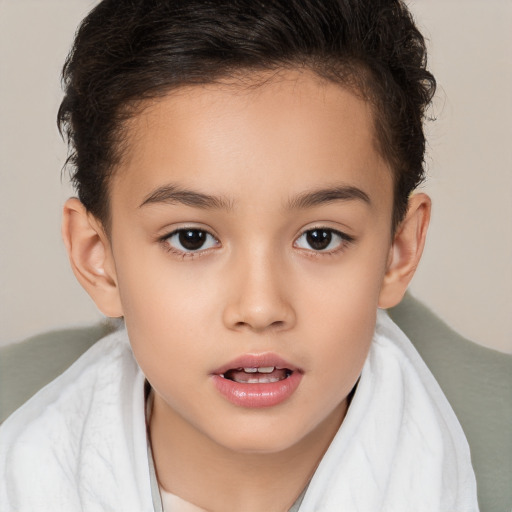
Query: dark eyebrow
[[327, 195], [173, 194]]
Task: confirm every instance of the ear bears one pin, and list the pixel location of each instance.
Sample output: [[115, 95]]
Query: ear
[[91, 257], [406, 251]]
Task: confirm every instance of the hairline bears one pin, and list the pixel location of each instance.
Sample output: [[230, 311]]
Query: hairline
[[352, 75]]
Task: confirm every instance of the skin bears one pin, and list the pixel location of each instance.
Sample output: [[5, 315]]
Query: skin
[[256, 286]]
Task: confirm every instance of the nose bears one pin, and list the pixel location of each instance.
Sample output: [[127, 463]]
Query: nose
[[259, 298]]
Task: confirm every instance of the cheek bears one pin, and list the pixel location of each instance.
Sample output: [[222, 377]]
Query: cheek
[[164, 309], [345, 292], [156, 289], [341, 340], [343, 328], [339, 313]]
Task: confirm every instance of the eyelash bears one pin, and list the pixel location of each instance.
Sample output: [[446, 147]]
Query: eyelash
[[184, 253], [345, 240]]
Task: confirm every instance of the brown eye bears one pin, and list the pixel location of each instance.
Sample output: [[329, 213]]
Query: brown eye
[[322, 240], [191, 240], [319, 239]]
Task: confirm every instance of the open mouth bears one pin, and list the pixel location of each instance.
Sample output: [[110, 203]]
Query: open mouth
[[257, 380], [257, 375]]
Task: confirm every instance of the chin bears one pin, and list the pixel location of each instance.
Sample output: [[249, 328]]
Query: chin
[[251, 445], [267, 437]]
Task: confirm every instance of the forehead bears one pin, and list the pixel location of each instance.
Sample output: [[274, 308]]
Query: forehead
[[275, 135]]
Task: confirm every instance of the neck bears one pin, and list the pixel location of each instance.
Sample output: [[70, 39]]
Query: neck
[[201, 471]]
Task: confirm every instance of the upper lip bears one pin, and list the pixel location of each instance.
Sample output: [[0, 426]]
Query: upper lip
[[263, 360]]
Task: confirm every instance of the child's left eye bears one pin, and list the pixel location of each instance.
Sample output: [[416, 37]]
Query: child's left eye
[[322, 240], [189, 240]]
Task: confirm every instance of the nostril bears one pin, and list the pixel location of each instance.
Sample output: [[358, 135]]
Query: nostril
[[278, 324], [261, 315]]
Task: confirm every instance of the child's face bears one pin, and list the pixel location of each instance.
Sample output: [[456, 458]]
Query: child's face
[[285, 208]]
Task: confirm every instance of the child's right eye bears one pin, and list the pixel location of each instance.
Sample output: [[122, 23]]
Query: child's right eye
[[189, 240]]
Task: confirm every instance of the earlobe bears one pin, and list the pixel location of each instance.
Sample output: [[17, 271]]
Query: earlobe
[[406, 251], [90, 256]]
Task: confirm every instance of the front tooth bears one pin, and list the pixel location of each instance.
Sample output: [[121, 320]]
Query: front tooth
[[268, 380], [250, 370], [266, 369]]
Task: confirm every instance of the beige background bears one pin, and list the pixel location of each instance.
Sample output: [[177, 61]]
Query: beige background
[[466, 274]]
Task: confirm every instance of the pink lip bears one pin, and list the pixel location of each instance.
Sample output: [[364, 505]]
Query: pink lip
[[255, 361], [257, 395]]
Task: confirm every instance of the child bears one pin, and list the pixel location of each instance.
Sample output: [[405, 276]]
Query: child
[[244, 173]]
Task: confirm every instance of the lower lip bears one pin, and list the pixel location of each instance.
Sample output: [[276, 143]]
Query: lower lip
[[257, 395]]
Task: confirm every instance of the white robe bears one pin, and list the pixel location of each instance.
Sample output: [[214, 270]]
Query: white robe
[[80, 443]]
